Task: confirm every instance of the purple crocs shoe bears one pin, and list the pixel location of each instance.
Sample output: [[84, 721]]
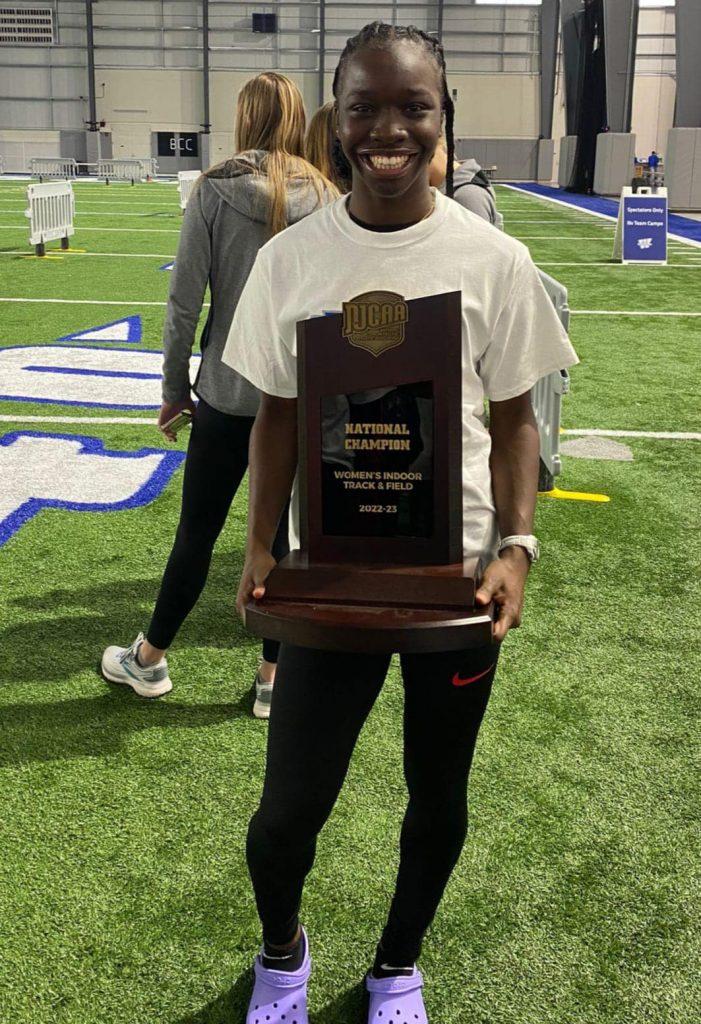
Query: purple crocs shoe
[[280, 997], [396, 1000]]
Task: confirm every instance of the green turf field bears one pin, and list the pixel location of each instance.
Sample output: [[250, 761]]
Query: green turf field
[[124, 891]]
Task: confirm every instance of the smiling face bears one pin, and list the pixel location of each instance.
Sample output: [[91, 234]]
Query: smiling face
[[389, 116]]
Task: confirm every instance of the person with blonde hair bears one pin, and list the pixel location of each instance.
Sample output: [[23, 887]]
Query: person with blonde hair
[[323, 149], [234, 209]]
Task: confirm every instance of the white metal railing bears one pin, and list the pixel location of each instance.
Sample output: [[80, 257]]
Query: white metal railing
[[51, 210], [2, 165], [53, 167], [150, 166], [186, 183], [131, 169], [546, 395]]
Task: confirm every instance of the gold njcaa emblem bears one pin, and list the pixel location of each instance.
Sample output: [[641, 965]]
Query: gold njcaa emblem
[[375, 321]]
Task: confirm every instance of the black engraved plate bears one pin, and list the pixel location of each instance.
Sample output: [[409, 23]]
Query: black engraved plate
[[377, 462]]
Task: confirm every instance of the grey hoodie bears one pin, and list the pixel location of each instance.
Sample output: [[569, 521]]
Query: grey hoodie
[[472, 190], [224, 226]]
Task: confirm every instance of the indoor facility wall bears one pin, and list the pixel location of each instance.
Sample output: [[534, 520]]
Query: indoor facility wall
[[46, 87], [654, 89], [17, 147], [486, 105], [148, 59]]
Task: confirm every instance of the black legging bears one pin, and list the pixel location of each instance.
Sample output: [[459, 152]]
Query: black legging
[[217, 459], [320, 702]]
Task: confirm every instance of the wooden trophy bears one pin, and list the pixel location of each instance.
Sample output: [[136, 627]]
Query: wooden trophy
[[380, 567]]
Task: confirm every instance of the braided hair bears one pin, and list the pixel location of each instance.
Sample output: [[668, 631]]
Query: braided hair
[[380, 35]]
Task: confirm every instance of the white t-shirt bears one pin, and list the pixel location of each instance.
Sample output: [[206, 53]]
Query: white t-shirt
[[511, 334]]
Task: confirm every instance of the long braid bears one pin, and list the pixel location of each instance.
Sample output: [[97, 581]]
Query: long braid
[[380, 35]]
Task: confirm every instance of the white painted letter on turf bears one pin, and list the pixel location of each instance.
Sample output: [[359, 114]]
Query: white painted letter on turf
[[129, 329], [94, 377], [77, 473]]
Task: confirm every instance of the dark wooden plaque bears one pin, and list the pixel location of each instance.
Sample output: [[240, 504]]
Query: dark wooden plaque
[[413, 389], [380, 480]]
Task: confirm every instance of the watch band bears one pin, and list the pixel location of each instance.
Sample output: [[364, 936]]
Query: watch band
[[528, 542]]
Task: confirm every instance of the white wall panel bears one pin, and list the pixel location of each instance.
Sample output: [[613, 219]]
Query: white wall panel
[[18, 147], [496, 106], [221, 146], [225, 87], [653, 112], [654, 88], [131, 140], [173, 97]]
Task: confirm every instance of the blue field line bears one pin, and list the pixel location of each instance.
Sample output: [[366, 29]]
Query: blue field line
[[73, 402], [684, 227], [135, 330], [79, 371]]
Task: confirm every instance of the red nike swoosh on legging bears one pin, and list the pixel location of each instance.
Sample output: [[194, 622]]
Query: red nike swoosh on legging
[[457, 681]]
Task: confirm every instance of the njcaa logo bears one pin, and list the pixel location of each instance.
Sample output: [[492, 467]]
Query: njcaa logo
[[375, 321]]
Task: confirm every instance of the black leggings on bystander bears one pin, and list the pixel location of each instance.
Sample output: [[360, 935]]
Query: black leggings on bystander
[[217, 459]]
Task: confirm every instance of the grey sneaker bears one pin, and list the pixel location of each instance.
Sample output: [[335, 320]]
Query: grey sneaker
[[264, 695], [120, 665]]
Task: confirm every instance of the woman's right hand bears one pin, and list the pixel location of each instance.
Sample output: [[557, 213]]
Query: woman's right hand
[[171, 409], [256, 569]]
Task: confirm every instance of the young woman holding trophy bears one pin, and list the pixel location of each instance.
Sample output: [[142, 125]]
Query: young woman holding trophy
[[394, 232]]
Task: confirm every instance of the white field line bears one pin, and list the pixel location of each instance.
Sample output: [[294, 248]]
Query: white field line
[[550, 238], [141, 187], [661, 435], [555, 219], [93, 179], [593, 213], [623, 266], [91, 302], [170, 212], [21, 190], [624, 312], [560, 202], [64, 252], [160, 231], [78, 419], [117, 202], [171, 256], [120, 302]]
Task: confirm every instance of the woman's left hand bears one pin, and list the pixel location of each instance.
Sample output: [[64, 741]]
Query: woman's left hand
[[504, 582]]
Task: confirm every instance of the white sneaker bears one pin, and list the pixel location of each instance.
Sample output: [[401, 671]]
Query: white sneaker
[[120, 665], [264, 695]]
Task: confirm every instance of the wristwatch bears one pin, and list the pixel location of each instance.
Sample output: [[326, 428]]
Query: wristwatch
[[528, 542]]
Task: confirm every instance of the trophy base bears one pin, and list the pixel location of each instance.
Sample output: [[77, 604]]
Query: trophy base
[[374, 609]]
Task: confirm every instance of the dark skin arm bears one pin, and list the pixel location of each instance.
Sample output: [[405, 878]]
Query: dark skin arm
[[514, 468], [272, 466]]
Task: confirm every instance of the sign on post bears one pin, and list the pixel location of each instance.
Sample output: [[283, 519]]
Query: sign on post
[[641, 231]]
